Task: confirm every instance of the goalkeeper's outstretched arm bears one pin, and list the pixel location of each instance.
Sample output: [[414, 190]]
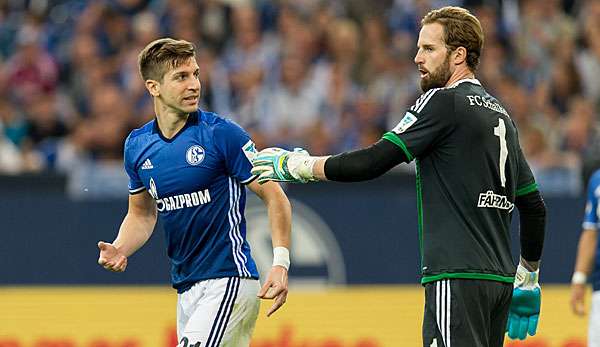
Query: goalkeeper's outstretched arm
[[276, 164], [359, 165]]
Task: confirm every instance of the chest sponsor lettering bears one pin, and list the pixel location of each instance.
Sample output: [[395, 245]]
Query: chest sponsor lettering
[[177, 202], [490, 199]]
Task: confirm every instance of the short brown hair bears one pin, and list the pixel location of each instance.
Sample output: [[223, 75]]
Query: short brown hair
[[461, 28], [161, 55]]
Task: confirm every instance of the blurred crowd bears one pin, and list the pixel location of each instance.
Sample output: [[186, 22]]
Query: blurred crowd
[[326, 75]]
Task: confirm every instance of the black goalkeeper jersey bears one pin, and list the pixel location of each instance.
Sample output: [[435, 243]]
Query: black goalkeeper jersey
[[470, 168]]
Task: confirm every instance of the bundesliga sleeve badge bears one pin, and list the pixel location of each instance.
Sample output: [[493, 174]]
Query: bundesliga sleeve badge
[[249, 150], [405, 123]]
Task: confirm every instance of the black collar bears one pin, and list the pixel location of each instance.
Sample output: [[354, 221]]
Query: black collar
[[191, 120]]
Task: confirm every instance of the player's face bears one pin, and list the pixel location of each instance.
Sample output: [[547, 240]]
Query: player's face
[[433, 58], [180, 88]]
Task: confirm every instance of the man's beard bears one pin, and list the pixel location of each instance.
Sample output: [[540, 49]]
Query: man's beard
[[437, 78]]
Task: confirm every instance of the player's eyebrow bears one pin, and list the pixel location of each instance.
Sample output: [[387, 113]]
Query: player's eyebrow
[[179, 73]]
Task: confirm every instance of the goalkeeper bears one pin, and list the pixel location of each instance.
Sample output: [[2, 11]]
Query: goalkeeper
[[471, 173]]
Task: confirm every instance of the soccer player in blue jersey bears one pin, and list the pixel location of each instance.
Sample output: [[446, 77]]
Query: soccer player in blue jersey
[[191, 167], [588, 262]]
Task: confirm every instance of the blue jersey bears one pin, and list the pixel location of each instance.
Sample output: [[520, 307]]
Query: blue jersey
[[197, 181], [591, 221]]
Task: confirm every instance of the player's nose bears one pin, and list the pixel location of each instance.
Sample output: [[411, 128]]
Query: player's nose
[[419, 60], [194, 86]]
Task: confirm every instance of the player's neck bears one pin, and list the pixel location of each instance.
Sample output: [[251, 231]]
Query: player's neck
[[460, 73], [169, 121]]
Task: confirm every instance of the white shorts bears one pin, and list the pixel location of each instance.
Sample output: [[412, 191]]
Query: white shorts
[[594, 325], [218, 313]]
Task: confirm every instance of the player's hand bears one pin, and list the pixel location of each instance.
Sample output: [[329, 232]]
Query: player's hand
[[276, 287], [276, 164], [524, 311], [110, 257], [578, 299]]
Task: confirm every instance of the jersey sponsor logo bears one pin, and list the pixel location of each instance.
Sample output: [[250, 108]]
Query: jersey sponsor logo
[[147, 165], [194, 155], [249, 150], [180, 201], [405, 123], [477, 100], [153, 191], [492, 200], [177, 202]]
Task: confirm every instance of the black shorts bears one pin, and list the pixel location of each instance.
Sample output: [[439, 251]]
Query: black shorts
[[466, 313]]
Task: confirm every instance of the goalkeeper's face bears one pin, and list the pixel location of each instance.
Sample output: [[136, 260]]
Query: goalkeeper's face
[[180, 87], [433, 57]]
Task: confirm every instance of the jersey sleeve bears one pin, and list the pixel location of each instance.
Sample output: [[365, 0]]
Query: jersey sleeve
[[590, 218], [135, 183], [238, 150], [424, 124], [525, 179]]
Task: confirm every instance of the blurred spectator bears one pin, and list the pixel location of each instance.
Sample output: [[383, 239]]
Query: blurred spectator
[[326, 75], [291, 107], [145, 28], [544, 27], [30, 70], [14, 125], [11, 160], [214, 23], [588, 59], [579, 125], [45, 127]]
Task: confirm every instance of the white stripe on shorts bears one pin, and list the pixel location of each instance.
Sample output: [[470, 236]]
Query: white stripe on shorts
[[442, 309], [222, 317]]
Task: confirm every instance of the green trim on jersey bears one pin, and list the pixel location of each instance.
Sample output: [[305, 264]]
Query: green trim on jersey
[[468, 275], [393, 138], [419, 209], [527, 189]]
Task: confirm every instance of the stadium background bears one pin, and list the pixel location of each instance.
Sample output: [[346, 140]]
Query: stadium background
[[325, 75]]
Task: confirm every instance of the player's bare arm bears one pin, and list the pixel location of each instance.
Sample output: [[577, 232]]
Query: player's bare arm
[[280, 218], [136, 229], [584, 264]]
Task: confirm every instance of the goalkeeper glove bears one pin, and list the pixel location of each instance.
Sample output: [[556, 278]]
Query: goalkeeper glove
[[524, 309], [276, 164]]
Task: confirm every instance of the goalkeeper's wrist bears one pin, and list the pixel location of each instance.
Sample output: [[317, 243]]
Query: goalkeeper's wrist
[[525, 278], [281, 257], [301, 167], [579, 277]]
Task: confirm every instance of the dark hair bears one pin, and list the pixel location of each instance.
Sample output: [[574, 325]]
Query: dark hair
[[161, 55], [461, 29]]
